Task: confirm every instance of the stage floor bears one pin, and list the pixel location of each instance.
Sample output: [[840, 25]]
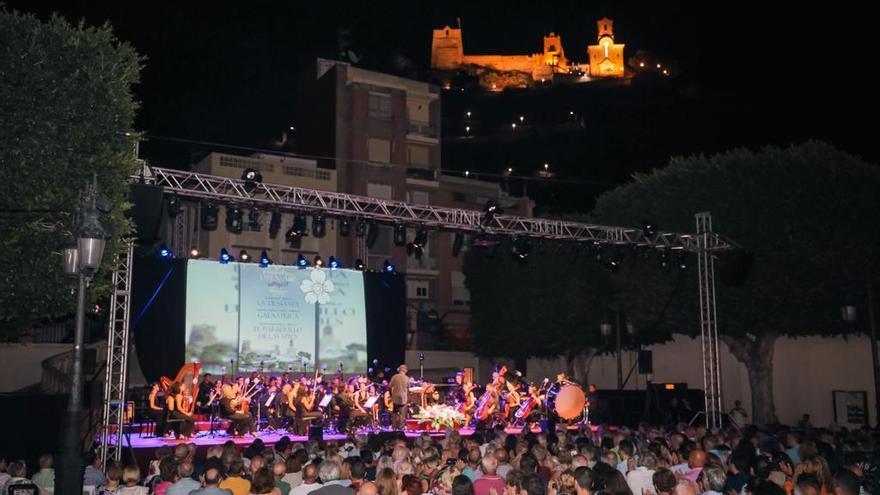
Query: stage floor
[[204, 438]]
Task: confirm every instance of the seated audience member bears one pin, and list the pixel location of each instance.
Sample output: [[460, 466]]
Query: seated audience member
[[235, 482], [489, 479], [17, 472], [93, 475], [131, 476], [114, 479], [45, 477], [212, 478], [263, 483], [185, 483]]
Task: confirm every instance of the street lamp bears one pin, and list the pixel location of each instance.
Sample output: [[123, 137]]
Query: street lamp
[[81, 261]]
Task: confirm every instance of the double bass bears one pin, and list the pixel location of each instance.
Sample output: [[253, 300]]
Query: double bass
[[485, 405]]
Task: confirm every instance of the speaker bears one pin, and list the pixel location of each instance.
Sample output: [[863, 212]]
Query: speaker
[[316, 433], [735, 267], [646, 362], [146, 211]]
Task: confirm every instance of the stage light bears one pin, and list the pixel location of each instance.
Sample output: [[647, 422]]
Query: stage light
[[372, 235], [251, 178], [165, 253], [319, 224], [359, 265], [399, 234], [194, 252], [234, 219], [457, 243], [254, 220], [664, 259], [225, 257], [243, 256], [649, 229], [333, 263], [344, 227], [360, 228], [174, 206], [680, 259], [302, 262], [209, 215], [274, 224], [489, 211], [387, 267], [318, 261], [521, 248], [299, 224], [264, 259], [614, 261], [421, 238]]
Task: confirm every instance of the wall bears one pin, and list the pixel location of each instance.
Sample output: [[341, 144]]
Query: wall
[[23, 363]]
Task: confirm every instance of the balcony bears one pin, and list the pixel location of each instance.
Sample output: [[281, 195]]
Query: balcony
[[425, 264], [426, 130], [421, 173]]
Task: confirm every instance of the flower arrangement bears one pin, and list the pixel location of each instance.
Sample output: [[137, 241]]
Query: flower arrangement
[[442, 416]]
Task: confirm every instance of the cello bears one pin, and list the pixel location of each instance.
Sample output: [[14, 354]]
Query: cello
[[485, 405]]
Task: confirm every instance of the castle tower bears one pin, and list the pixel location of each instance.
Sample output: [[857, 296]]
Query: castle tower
[[447, 50], [606, 57], [554, 55]]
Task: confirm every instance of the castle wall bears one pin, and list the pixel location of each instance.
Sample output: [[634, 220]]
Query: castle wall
[[521, 63]]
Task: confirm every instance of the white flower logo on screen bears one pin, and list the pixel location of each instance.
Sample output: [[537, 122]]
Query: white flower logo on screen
[[317, 287]]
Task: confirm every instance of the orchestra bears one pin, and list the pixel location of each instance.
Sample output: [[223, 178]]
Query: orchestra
[[285, 402]]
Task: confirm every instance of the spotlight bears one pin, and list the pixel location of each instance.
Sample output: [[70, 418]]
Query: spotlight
[[264, 259], [421, 238], [664, 259], [333, 263], [318, 261], [649, 229], [165, 253], [344, 227], [174, 206], [299, 224], [521, 248], [680, 259], [359, 265], [225, 257], [360, 229], [387, 267], [243, 256], [319, 224], [251, 178], [302, 262], [209, 215], [489, 211], [399, 234], [274, 224], [372, 235], [234, 219], [194, 252], [254, 220], [457, 243], [614, 261]]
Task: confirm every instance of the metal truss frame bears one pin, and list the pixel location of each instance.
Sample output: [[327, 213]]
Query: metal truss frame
[[287, 198], [709, 322], [115, 381]]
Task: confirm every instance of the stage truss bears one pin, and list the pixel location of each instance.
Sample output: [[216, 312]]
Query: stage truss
[[270, 197]]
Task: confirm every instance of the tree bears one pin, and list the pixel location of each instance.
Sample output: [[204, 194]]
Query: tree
[[547, 307], [66, 112], [807, 212]]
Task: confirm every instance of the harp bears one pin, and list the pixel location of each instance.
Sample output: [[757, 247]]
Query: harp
[[188, 376]]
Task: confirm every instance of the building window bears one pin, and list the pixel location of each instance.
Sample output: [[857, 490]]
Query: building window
[[379, 191], [418, 155], [418, 288], [461, 296], [418, 197], [380, 106], [379, 150], [381, 250]]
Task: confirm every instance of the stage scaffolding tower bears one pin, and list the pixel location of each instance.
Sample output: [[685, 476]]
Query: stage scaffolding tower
[[709, 321], [113, 414]]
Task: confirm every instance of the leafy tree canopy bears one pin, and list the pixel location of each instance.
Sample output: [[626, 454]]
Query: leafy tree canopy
[[66, 108]]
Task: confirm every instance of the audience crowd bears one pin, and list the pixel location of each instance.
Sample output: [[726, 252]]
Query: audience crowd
[[645, 461]]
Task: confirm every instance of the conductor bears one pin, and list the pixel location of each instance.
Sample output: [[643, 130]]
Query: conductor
[[399, 396]]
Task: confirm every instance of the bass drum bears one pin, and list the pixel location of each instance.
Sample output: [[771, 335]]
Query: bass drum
[[567, 400]]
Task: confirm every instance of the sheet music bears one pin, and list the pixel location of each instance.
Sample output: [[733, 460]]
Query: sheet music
[[326, 400], [269, 401], [370, 402]]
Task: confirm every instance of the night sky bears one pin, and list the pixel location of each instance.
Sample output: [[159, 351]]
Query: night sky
[[225, 72]]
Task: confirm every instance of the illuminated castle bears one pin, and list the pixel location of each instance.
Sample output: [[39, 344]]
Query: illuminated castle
[[606, 58]]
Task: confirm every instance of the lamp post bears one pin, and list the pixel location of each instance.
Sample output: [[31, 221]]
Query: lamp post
[[850, 315], [81, 262]]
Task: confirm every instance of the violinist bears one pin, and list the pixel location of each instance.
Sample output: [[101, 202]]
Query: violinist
[[305, 406], [180, 409], [231, 406]]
